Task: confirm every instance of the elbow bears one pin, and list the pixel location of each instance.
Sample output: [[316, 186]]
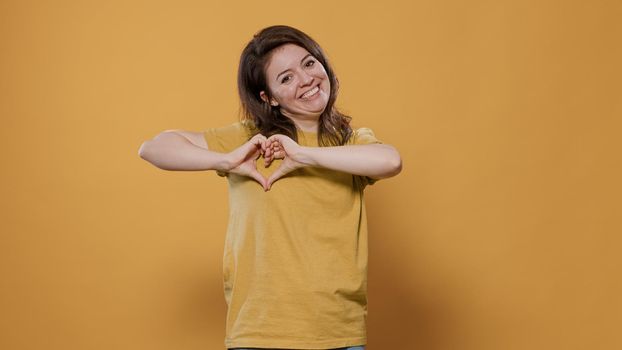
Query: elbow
[[398, 165], [143, 150], [146, 148], [394, 166], [392, 162]]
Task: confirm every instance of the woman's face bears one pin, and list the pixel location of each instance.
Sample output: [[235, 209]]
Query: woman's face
[[298, 82]]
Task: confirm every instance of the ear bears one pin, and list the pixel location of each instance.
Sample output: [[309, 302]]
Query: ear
[[263, 96]]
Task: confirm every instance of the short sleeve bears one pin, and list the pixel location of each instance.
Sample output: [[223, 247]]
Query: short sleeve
[[227, 138], [364, 136]]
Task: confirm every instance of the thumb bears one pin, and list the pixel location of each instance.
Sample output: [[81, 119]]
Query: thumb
[[277, 174], [256, 175], [254, 144], [244, 152]]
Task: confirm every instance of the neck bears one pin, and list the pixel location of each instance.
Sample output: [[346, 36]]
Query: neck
[[308, 124]]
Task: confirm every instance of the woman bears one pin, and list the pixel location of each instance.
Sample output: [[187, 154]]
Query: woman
[[295, 257]]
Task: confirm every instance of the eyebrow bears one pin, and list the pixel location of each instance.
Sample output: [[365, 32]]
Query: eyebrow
[[285, 71]]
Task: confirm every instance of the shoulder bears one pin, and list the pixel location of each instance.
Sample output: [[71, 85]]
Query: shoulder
[[242, 128], [363, 135], [226, 138]]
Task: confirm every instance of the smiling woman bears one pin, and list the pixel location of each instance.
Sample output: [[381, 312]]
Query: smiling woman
[[277, 68], [301, 91], [295, 257]]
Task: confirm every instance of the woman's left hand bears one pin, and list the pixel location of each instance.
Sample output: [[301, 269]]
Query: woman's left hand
[[280, 146]]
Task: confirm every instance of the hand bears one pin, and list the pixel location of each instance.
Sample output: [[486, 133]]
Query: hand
[[243, 160], [282, 147]]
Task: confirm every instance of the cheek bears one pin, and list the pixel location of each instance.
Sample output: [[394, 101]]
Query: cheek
[[284, 93], [290, 92], [322, 71]]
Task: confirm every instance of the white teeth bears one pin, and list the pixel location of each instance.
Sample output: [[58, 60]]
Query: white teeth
[[311, 92]]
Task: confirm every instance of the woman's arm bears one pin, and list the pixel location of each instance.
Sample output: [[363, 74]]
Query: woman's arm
[[377, 161], [172, 151]]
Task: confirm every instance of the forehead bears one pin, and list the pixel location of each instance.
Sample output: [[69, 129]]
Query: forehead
[[285, 57]]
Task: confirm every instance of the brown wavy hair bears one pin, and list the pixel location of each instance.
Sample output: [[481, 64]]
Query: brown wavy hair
[[334, 127]]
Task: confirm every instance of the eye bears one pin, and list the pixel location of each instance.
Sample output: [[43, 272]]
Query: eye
[[283, 80], [310, 61]]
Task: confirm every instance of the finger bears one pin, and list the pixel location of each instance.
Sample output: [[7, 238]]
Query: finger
[[275, 137], [250, 149], [269, 148], [268, 160], [278, 142], [278, 155], [259, 178], [259, 137], [256, 143], [272, 150], [256, 152], [259, 140], [271, 180], [277, 174], [261, 145]]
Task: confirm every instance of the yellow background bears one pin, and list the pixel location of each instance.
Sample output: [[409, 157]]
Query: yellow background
[[501, 232]]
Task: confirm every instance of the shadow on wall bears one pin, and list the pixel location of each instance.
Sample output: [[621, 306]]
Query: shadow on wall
[[406, 308]]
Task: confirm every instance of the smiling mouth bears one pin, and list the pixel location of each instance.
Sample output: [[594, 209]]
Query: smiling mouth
[[311, 92]]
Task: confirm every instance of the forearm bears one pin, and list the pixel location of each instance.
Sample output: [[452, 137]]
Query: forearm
[[171, 151], [375, 160]]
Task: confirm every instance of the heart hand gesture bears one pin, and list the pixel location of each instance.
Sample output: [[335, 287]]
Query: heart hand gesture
[[282, 147], [243, 160]]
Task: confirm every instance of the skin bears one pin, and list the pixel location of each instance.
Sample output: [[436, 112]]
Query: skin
[[376, 161], [292, 71], [302, 74]]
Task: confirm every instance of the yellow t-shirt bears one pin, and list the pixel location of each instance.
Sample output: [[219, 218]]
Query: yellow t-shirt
[[295, 257]]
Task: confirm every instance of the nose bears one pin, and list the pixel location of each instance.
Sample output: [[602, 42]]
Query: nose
[[305, 79]]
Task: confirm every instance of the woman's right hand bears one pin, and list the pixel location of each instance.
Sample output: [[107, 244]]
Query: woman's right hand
[[243, 160]]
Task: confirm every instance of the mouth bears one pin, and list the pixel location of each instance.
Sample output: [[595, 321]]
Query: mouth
[[311, 92]]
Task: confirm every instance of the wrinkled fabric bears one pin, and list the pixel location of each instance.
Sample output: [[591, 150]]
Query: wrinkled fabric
[[295, 257]]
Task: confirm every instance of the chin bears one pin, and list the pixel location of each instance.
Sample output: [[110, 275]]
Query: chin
[[322, 109]]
